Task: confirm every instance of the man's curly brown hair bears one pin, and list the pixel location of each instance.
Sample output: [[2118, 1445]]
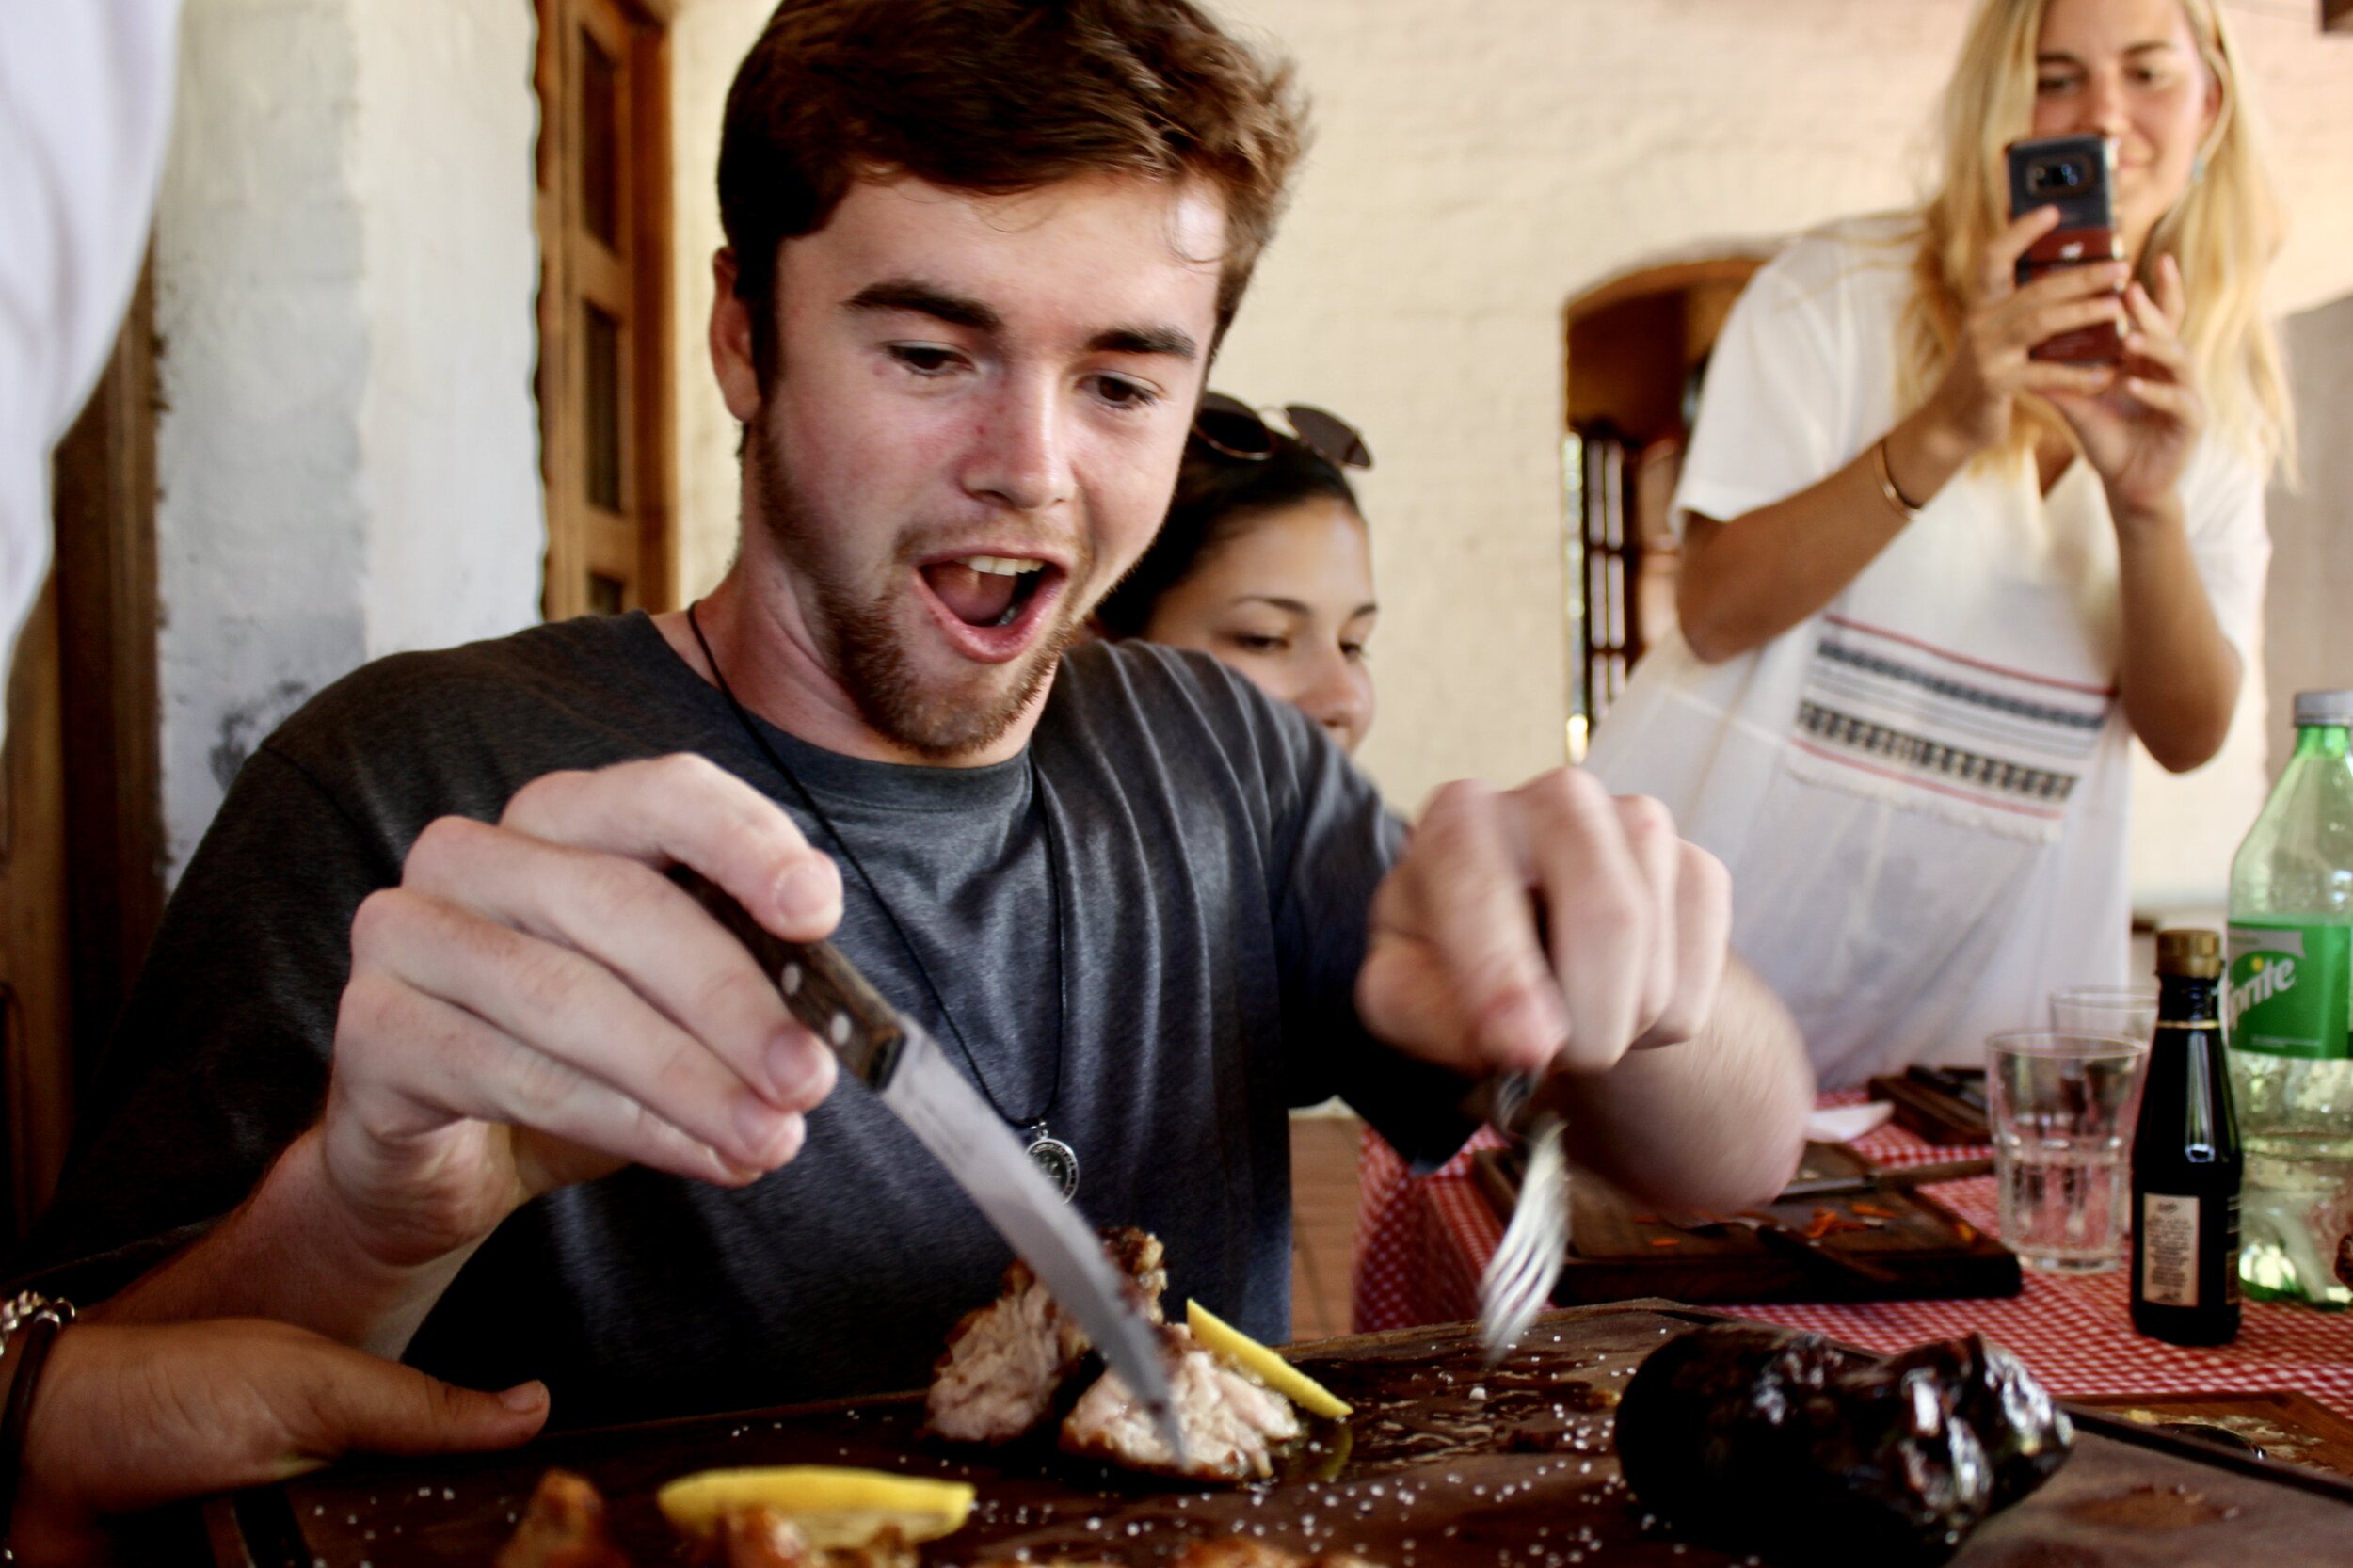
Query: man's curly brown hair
[[996, 96]]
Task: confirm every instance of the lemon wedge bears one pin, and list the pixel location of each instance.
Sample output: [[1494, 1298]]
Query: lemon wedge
[[1219, 1337], [835, 1508]]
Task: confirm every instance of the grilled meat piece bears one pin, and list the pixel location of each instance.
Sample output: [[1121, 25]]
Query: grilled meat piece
[[1141, 1258], [563, 1527], [1753, 1438], [757, 1538], [1230, 1422], [762, 1538], [1226, 1551], [1007, 1363], [1233, 1552], [1004, 1364]]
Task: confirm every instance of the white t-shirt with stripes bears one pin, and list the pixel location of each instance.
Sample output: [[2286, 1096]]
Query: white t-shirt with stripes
[[1922, 791]]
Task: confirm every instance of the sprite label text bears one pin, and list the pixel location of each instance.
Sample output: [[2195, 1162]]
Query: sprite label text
[[2290, 986]]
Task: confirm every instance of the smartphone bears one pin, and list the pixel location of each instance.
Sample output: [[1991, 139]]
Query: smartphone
[[2077, 175]]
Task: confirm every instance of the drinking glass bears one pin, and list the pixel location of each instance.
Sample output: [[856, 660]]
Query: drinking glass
[[2061, 1105], [2130, 1010]]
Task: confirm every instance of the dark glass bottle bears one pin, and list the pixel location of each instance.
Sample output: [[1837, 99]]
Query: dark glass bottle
[[2187, 1161]]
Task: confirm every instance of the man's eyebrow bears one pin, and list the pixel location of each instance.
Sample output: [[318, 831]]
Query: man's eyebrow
[[919, 298], [929, 299], [1146, 340]]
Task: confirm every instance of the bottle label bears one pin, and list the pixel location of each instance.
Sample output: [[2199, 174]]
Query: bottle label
[[2230, 1251], [2169, 1250], [2289, 988]]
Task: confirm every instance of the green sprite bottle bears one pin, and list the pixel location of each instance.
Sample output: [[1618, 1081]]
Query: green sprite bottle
[[2287, 1004]]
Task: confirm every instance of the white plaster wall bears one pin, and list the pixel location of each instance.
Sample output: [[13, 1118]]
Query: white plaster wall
[[2311, 604], [259, 524], [449, 425], [344, 277], [1478, 167]]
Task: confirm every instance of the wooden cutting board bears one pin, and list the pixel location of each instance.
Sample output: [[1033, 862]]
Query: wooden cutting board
[[2295, 1429], [1942, 1119], [1619, 1249], [1445, 1463]]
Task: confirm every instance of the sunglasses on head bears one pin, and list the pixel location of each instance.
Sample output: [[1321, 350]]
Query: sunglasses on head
[[1229, 425]]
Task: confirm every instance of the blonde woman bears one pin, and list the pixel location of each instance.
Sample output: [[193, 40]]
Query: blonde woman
[[1933, 584]]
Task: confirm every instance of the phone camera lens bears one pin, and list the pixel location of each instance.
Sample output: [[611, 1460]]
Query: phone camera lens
[[2057, 177]]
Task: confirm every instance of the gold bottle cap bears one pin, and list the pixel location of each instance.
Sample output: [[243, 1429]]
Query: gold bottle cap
[[2195, 953]]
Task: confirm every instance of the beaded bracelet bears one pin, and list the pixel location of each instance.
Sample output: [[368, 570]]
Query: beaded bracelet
[[29, 1325]]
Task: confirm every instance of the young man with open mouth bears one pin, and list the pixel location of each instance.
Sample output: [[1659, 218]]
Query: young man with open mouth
[[980, 255]]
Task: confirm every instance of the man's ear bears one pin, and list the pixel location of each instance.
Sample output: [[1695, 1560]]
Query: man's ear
[[733, 358]]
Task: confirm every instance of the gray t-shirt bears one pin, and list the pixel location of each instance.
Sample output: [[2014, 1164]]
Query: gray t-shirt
[[1211, 857]]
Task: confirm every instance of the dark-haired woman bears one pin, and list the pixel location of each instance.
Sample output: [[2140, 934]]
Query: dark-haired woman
[[1264, 563]]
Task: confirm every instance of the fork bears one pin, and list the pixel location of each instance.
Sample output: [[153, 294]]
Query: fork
[[1518, 1278]]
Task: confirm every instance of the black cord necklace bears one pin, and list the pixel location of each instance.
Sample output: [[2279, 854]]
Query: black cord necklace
[[1055, 1157]]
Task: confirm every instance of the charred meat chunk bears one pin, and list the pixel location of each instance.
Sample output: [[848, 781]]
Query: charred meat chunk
[[1008, 1363], [1231, 1423], [1141, 1258], [2025, 1436], [563, 1527], [1761, 1439]]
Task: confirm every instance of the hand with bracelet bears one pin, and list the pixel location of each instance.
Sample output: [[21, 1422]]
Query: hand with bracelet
[[1825, 536], [104, 1420]]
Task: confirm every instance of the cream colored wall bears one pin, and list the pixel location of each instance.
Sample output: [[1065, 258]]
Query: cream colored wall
[[1479, 166]]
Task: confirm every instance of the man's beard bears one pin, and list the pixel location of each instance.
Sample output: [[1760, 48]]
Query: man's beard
[[862, 645]]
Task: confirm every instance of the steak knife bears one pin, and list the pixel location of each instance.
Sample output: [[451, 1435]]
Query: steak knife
[[1882, 1178], [897, 1058]]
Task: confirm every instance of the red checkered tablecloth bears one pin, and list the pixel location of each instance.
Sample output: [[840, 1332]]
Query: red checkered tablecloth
[[1421, 1242]]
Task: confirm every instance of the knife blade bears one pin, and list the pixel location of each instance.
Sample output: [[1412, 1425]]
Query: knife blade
[[1880, 1180], [897, 1059]]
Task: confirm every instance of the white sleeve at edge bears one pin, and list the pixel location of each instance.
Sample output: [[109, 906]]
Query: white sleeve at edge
[[84, 109]]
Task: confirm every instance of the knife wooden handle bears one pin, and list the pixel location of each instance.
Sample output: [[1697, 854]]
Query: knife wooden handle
[[822, 988]]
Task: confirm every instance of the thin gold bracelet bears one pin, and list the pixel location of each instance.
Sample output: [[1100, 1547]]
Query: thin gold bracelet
[[1903, 508]]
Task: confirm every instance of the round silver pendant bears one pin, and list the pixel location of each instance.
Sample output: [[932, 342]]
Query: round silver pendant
[[1056, 1159]]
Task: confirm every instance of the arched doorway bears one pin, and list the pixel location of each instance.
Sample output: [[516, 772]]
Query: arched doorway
[[1634, 350]]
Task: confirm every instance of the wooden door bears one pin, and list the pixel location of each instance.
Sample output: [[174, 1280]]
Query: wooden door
[[36, 977], [604, 299], [81, 817]]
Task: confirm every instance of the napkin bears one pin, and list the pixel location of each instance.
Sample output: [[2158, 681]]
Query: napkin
[[1844, 1123]]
